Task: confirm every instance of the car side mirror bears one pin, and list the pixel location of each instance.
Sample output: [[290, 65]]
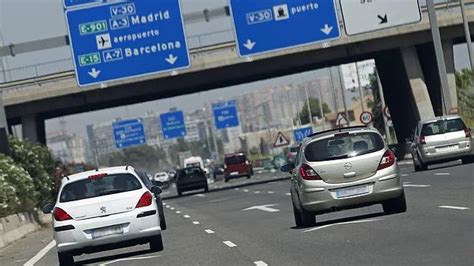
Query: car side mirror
[[48, 208], [158, 183], [156, 190], [287, 168]]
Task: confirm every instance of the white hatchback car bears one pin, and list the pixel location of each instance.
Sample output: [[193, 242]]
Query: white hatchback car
[[106, 209]]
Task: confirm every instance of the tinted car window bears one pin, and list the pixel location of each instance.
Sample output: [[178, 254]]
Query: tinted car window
[[343, 146], [145, 179], [442, 127], [237, 159], [91, 188], [190, 171]]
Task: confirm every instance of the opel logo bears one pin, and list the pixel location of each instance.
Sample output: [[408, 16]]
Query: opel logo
[[348, 166], [103, 209]]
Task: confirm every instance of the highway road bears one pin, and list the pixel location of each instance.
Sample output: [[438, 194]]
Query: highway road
[[253, 225]]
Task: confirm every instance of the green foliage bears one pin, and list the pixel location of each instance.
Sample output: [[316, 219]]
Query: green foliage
[[143, 157], [376, 104], [38, 161], [315, 110], [17, 192], [465, 93]]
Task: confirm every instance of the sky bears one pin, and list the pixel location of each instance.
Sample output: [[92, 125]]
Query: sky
[[27, 20]]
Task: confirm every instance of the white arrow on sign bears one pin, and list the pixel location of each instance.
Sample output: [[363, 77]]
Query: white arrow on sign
[[94, 73], [265, 208], [249, 44], [171, 59], [327, 29]]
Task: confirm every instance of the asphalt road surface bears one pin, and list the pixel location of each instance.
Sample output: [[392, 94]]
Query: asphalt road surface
[[253, 225]]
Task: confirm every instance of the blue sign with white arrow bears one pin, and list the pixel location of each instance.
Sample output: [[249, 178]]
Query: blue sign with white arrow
[[127, 39], [129, 133], [301, 133], [172, 125], [270, 25], [225, 114], [79, 3]]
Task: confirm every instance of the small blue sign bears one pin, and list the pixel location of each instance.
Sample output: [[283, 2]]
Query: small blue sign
[[270, 25], [301, 133], [78, 3], [172, 125], [127, 39], [129, 133], [225, 114]]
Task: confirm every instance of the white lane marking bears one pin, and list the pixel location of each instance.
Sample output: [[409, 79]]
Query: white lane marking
[[415, 185], [265, 208], [260, 263], [178, 212], [257, 192], [246, 190], [195, 222], [129, 259], [270, 192], [403, 175], [209, 231], [350, 222], [454, 207], [186, 216], [199, 195], [229, 244], [237, 189], [288, 194], [172, 208], [442, 174], [167, 206], [218, 200], [40, 254]]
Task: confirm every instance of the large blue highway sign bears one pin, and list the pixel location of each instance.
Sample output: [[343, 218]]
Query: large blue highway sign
[[172, 125], [301, 133], [270, 25], [129, 133], [78, 3], [225, 114], [127, 39]]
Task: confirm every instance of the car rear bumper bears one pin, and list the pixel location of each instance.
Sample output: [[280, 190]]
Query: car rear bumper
[[192, 186], [324, 198], [135, 231], [240, 174], [446, 156]]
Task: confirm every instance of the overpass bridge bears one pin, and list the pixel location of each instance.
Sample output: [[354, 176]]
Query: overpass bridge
[[404, 58]]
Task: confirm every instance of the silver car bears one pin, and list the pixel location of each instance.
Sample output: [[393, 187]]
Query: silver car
[[342, 169], [440, 140]]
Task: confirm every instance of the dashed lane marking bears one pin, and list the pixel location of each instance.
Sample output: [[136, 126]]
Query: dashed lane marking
[[195, 222], [186, 216], [199, 195], [229, 244], [209, 231], [260, 263], [168, 206], [288, 194], [246, 190], [442, 174], [40, 254], [403, 175], [350, 222], [178, 212], [415, 185], [257, 192], [454, 207], [172, 208], [271, 192]]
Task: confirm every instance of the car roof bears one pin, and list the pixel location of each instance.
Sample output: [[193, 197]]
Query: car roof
[[439, 118], [107, 170]]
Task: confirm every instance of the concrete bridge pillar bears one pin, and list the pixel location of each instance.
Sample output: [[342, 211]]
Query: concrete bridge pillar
[[33, 128], [452, 99]]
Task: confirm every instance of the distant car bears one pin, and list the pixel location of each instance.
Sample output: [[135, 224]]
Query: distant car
[[441, 139], [164, 178], [218, 172], [342, 169], [105, 209], [191, 178], [236, 165], [291, 156]]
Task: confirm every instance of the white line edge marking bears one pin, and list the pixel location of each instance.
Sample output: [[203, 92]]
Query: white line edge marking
[[128, 259], [195, 222], [415, 185], [260, 263], [209, 231], [186, 216], [40, 254], [442, 174], [454, 207], [229, 244], [350, 222], [288, 194]]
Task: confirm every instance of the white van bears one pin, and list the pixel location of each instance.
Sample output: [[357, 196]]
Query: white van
[[195, 161]]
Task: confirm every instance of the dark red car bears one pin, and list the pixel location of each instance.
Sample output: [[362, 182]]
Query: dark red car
[[237, 165]]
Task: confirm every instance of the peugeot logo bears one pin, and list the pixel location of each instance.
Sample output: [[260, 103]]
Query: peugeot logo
[[348, 166], [103, 209]]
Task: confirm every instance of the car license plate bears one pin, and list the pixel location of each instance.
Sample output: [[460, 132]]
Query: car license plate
[[352, 191], [112, 230], [234, 173], [448, 148]]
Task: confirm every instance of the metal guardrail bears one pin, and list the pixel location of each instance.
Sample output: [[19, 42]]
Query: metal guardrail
[[196, 41]]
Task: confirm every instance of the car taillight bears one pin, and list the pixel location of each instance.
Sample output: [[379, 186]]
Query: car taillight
[[468, 132], [61, 215], [97, 176], [247, 162], [422, 139], [308, 173], [145, 200], [388, 159], [225, 166]]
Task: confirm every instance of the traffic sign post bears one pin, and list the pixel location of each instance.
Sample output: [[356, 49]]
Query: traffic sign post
[[366, 118], [225, 114], [362, 16], [301, 133], [172, 125], [129, 133], [271, 25], [281, 140], [127, 39]]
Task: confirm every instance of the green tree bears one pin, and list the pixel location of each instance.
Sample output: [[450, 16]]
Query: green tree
[[376, 104], [465, 93], [315, 110], [143, 157]]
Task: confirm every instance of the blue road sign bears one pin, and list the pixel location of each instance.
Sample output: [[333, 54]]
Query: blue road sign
[[128, 39], [225, 114], [270, 25], [129, 133], [301, 133], [172, 125], [78, 3]]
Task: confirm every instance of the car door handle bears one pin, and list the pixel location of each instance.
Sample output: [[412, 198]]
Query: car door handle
[[349, 175]]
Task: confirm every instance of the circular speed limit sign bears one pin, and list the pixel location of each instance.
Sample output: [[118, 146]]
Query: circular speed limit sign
[[366, 118], [386, 112]]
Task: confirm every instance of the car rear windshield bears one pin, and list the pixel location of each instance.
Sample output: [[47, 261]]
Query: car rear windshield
[[190, 171], [442, 127], [343, 145], [236, 159], [96, 187]]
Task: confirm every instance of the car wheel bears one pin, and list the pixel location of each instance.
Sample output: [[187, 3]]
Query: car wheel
[[226, 180], [307, 218], [297, 215], [466, 160], [156, 243], [415, 164], [180, 193], [249, 176], [161, 214], [65, 258], [396, 205], [206, 189], [422, 166]]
